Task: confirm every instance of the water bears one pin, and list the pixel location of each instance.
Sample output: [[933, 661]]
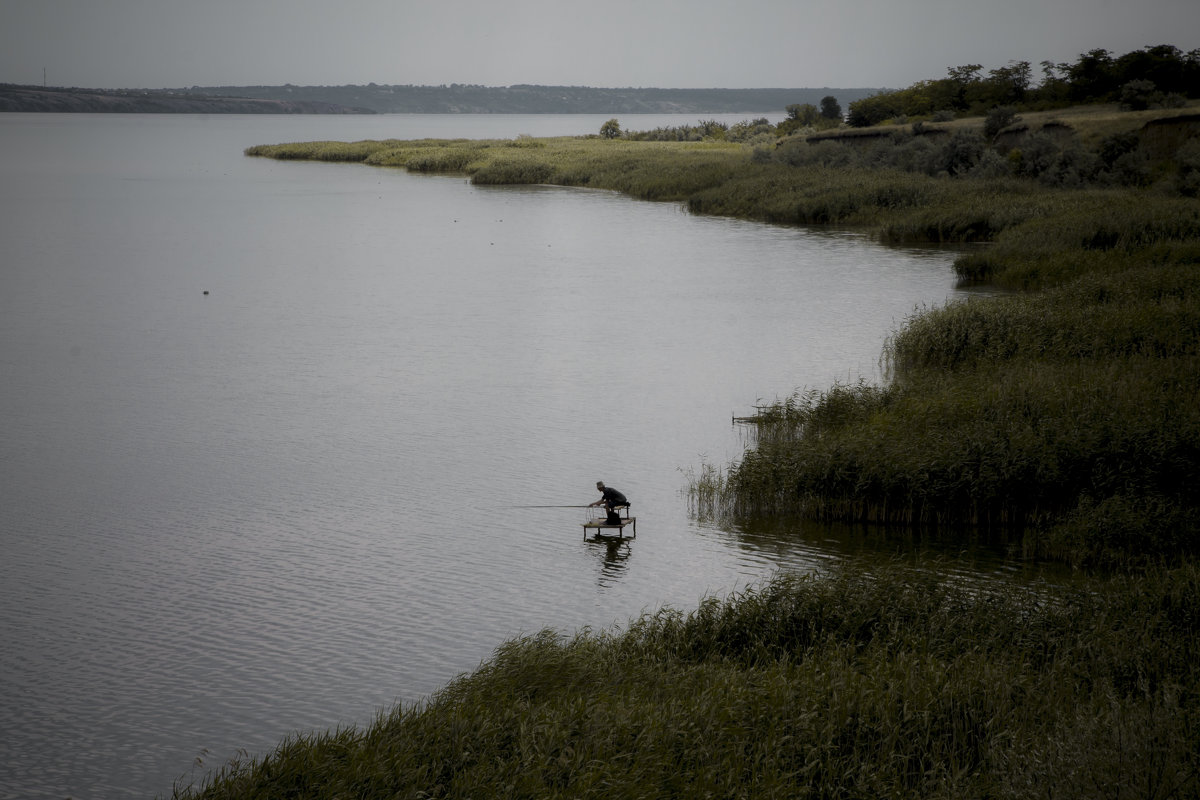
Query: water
[[266, 424]]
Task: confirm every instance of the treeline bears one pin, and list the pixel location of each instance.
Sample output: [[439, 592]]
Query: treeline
[[1004, 146], [746, 131], [1159, 76], [801, 118]]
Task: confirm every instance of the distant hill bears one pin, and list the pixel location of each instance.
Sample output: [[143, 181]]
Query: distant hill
[[153, 101], [384, 99], [528, 99]]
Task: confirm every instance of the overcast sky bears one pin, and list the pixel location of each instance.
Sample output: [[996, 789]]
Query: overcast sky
[[603, 43]]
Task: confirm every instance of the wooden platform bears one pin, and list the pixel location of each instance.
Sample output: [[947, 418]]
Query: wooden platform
[[601, 528]]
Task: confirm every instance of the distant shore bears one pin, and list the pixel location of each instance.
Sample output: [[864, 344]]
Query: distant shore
[[105, 101], [385, 99]]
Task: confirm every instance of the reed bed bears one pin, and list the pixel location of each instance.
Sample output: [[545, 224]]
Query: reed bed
[[1069, 417], [647, 170], [1014, 447], [1057, 416], [897, 684], [1153, 312], [320, 151]]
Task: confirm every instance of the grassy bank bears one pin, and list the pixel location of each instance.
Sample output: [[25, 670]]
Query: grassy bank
[[1067, 416], [647, 170], [892, 685]]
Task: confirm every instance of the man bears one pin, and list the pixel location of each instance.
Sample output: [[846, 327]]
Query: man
[[611, 499]]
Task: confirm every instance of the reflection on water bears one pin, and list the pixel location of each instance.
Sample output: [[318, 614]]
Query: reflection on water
[[797, 544], [616, 553]]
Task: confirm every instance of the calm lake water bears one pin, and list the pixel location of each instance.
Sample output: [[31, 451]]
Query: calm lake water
[[266, 424]]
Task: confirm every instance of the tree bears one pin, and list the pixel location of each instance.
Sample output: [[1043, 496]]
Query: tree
[[879, 107], [965, 74], [1094, 76], [1164, 65], [960, 80], [710, 128], [611, 129], [830, 109], [998, 119], [1054, 84], [804, 113], [799, 116], [1009, 84]]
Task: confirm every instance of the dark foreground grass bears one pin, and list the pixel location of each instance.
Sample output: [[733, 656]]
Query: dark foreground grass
[[898, 684]]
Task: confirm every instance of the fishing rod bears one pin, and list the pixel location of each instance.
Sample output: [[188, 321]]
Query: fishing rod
[[549, 506]]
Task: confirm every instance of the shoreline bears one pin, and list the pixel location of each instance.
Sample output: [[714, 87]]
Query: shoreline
[[1060, 414]]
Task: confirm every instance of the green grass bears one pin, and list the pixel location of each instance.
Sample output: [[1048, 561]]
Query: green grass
[[319, 151], [1012, 447], [647, 170], [897, 684]]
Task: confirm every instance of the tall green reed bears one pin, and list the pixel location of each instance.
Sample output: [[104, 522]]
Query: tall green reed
[[898, 684]]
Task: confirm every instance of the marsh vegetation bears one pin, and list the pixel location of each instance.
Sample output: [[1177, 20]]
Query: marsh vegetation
[[895, 684], [1062, 416]]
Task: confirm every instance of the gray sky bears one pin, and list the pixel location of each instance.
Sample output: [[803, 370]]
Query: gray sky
[[604, 43]]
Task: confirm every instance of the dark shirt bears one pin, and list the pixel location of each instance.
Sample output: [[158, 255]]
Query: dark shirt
[[613, 498]]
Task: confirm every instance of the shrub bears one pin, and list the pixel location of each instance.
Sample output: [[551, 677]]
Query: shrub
[[1116, 145], [1130, 169], [961, 153], [918, 154], [991, 165], [873, 110], [751, 131], [830, 154], [830, 108], [1054, 163], [1139, 95], [1122, 529], [1187, 176], [998, 119]]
